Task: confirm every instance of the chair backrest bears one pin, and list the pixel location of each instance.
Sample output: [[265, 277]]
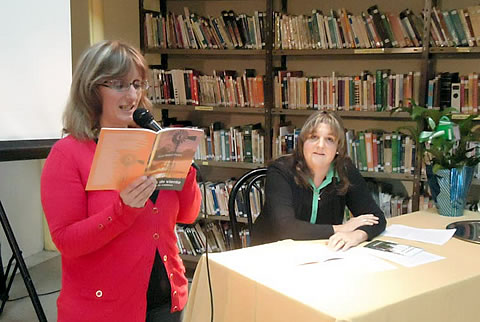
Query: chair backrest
[[252, 181]]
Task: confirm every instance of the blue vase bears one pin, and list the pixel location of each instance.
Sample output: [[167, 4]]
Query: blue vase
[[449, 188]]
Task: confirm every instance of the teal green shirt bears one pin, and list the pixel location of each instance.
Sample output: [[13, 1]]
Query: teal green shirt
[[317, 191]]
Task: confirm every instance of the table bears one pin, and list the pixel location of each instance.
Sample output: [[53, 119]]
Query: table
[[258, 284]]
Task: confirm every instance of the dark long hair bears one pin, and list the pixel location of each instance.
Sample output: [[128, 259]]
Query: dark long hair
[[303, 173]]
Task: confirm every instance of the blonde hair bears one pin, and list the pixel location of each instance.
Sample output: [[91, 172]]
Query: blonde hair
[[303, 173], [103, 61]]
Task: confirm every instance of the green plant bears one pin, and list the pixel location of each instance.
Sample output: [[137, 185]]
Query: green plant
[[440, 140]]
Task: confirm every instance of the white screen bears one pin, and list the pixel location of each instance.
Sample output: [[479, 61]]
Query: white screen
[[36, 68]]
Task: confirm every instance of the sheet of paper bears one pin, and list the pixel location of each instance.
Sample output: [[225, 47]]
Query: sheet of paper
[[318, 254], [432, 236], [420, 258]]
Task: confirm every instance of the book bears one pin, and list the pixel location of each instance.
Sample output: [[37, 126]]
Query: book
[[124, 154], [391, 247]]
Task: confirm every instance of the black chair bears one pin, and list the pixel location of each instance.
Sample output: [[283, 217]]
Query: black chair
[[253, 180]]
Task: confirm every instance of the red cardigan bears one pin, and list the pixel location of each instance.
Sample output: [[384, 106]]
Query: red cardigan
[[107, 247]]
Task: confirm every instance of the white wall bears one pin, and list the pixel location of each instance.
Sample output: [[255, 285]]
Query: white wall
[[36, 67], [19, 193], [36, 75]]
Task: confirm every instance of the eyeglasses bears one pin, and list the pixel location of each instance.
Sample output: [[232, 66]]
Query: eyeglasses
[[121, 85]]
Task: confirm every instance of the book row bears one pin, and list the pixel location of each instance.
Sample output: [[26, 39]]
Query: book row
[[456, 27], [191, 31], [193, 239], [223, 88], [452, 90], [379, 91], [341, 29], [337, 28], [216, 195], [393, 204], [235, 144]]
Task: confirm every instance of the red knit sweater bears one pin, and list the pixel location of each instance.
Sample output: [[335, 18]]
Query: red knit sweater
[[107, 247]]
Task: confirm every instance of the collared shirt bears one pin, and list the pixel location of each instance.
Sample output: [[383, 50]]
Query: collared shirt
[[317, 192], [287, 211]]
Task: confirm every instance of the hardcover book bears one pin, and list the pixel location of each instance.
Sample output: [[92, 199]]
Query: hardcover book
[[124, 154]]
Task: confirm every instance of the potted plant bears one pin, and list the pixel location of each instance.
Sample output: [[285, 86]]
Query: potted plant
[[446, 146]]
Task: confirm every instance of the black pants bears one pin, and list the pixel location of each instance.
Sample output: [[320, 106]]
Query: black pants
[[162, 314]]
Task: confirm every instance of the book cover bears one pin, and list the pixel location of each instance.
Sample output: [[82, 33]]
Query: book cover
[[124, 154], [391, 247]]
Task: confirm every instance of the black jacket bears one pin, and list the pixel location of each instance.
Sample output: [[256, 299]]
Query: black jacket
[[288, 206]]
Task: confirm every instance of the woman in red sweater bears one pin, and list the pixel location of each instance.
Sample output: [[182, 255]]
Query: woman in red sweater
[[119, 256]]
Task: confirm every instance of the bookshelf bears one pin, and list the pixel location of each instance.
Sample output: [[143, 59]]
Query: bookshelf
[[422, 57], [206, 61]]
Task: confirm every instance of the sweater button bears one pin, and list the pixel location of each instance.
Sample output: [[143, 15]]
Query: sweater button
[[100, 226], [171, 275], [175, 308], [155, 210], [156, 236], [109, 218], [164, 258], [174, 293], [99, 293]]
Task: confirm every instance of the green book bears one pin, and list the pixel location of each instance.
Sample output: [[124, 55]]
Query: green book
[[378, 90], [457, 25], [388, 30], [395, 153], [363, 152]]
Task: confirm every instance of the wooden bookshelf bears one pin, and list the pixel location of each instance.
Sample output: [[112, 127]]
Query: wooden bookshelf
[[421, 58]]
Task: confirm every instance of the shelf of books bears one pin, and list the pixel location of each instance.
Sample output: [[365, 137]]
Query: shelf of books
[[330, 29], [213, 109], [348, 51], [207, 52], [228, 30], [225, 164], [223, 91]]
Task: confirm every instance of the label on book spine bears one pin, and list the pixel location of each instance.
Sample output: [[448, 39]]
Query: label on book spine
[[369, 51], [203, 108]]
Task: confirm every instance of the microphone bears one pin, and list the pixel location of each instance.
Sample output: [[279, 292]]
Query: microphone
[[143, 118]]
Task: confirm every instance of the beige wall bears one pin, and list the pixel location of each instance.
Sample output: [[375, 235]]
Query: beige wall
[[121, 21], [80, 28]]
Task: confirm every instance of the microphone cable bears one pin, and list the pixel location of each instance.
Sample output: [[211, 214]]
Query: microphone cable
[[205, 216]]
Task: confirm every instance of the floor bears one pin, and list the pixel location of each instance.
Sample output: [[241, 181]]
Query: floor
[[45, 271]]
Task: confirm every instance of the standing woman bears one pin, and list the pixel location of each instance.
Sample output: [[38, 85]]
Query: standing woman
[[306, 192], [119, 256]]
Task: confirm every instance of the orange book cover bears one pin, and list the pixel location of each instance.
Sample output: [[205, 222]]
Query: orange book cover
[[124, 154]]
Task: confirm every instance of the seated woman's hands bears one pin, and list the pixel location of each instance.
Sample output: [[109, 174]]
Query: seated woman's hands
[[355, 222], [136, 194], [346, 240], [347, 235]]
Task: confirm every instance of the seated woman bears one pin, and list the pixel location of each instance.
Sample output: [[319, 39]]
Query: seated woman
[[306, 192]]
